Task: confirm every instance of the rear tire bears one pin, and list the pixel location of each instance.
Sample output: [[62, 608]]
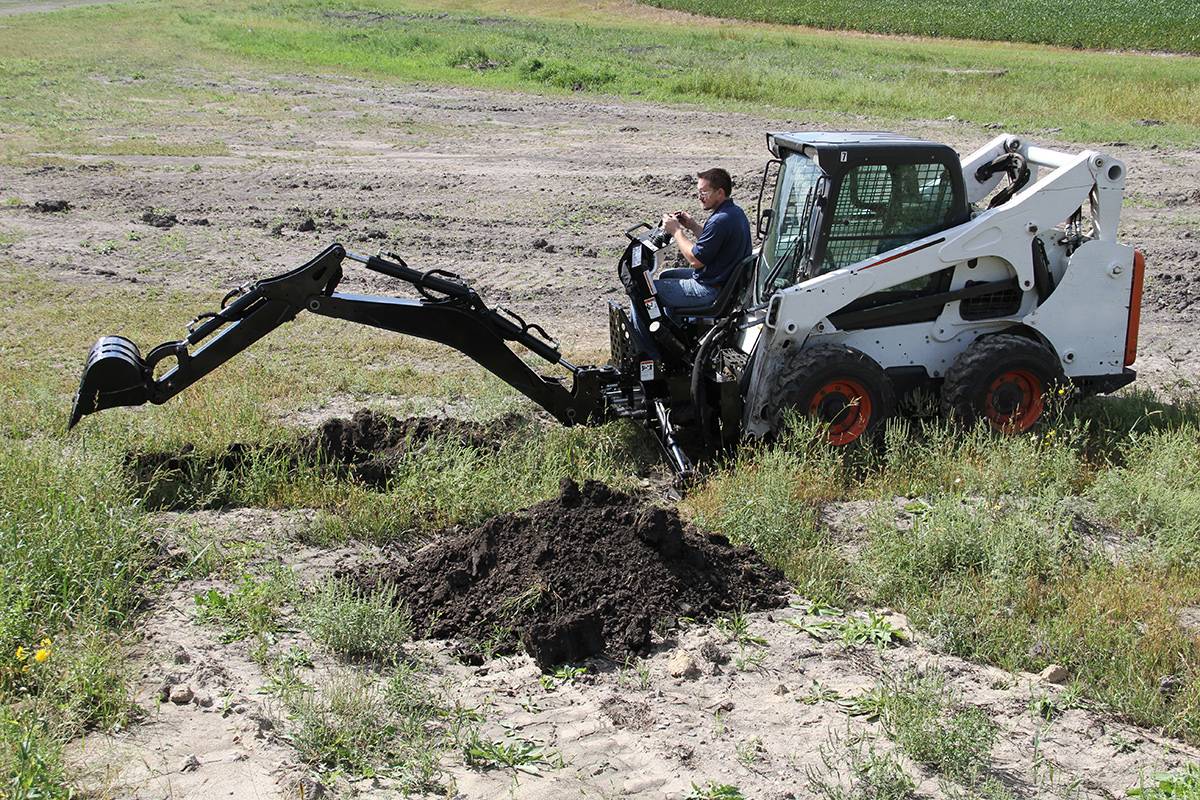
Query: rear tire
[[839, 385], [1003, 379]]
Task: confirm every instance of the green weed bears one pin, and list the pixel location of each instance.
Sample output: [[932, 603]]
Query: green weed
[[252, 608], [853, 769], [1179, 786], [520, 754], [712, 790], [921, 715], [358, 625]]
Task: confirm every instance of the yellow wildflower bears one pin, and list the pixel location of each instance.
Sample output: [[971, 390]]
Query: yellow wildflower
[[46, 642], [21, 654], [42, 654]]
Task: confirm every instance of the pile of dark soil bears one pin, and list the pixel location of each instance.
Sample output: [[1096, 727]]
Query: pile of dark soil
[[592, 571], [366, 447]]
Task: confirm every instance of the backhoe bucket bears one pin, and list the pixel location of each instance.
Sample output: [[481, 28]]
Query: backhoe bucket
[[114, 375]]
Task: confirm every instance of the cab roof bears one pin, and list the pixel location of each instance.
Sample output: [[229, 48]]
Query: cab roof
[[828, 147]]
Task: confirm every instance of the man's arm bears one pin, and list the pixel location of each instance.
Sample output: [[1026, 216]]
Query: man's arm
[[673, 225]]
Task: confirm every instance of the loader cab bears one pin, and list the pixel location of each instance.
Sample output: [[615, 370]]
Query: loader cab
[[841, 198]]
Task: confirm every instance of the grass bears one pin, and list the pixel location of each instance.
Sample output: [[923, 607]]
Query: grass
[[854, 769], [1172, 25], [922, 717], [137, 85], [1001, 554], [358, 625]]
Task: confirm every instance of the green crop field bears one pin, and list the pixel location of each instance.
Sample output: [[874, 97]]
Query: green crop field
[[1157, 25]]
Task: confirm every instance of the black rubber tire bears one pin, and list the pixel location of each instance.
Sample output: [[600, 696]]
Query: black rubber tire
[[969, 392], [811, 370]]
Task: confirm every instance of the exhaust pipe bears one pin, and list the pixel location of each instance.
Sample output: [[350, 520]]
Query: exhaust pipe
[[114, 375]]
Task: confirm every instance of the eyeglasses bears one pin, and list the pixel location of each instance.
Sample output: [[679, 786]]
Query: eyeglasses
[[704, 192]]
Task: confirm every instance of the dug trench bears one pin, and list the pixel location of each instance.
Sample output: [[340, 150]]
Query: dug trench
[[367, 448]]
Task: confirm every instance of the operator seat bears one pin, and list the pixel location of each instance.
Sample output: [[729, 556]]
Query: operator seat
[[718, 307]]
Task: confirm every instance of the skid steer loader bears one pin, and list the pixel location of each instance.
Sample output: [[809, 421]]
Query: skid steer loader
[[882, 276]]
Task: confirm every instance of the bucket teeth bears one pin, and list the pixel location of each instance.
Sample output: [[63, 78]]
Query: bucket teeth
[[114, 375]]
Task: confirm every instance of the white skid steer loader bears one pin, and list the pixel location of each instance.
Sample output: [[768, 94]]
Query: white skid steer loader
[[882, 277]]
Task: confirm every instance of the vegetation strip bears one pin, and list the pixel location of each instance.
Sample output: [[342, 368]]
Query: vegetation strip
[[51, 58], [1173, 25]]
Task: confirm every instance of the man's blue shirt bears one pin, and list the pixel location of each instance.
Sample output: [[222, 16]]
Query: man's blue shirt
[[723, 244]]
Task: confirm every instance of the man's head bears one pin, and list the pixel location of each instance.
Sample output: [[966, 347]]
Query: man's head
[[713, 186]]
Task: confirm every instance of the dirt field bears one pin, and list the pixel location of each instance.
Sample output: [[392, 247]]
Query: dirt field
[[525, 195], [528, 197]]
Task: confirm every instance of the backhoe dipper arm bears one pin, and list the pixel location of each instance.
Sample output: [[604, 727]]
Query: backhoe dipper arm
[[450, 312]]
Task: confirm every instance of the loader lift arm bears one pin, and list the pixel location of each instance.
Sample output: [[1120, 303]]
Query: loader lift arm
[[449, 312]]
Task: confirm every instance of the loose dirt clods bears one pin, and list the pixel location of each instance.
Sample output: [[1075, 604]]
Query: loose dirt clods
[[591, 571]]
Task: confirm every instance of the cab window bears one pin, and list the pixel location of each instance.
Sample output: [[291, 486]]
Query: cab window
[[883, 206]]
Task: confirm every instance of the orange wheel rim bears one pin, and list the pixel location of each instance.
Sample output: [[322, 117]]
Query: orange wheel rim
[[845, 406], [1014, 401]]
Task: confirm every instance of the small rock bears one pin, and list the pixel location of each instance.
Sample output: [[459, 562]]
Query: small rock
[[682, 665], [589, 252], [51, 206], [157, 220], [376, 233], [1054, 674], [1150, 123], [628, 129], [310, 788], [181, 695], [307, 226], [540, 244], [190, 764], [204, 700], [714, 653], [782, 689], [202, 221], [181, 657]]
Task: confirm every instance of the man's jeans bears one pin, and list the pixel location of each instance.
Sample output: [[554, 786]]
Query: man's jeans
[[675, 288]]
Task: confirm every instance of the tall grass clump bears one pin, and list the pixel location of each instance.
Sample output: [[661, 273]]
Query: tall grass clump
[[921, 715], [1015, 582], [769, 498], [936, 457], [72, 545], [1156, 493], [353, 725], [73, 562], [356, 624], [432, 484]]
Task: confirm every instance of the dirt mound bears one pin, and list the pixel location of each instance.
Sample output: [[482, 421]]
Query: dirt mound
[[366, 447], [592, 571]]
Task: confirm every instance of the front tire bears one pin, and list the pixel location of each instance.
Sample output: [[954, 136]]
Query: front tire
[[1003, 379], [842, 387]]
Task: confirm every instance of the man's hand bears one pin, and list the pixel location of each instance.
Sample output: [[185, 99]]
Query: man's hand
[[688, 221], [670, 224]]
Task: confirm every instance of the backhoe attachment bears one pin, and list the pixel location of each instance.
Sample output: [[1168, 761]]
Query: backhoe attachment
[[449, 312]]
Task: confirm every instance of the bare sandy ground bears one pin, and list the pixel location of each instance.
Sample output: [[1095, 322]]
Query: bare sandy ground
[[699, 707]]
